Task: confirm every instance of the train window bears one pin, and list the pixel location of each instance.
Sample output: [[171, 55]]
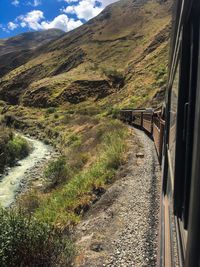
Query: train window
[[173, 124]]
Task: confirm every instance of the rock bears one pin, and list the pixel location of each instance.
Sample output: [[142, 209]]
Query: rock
[[97, 247], [140, 155]]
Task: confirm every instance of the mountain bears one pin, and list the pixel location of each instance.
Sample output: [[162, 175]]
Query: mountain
[[119, 57], [16, 50]]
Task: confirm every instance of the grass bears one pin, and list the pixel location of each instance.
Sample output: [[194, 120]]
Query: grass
[[63, 206]]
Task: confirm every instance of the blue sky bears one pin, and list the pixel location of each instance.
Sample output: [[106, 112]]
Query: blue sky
[[18, 16]]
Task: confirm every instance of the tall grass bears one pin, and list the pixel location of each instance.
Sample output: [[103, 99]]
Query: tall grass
[[65, 205]]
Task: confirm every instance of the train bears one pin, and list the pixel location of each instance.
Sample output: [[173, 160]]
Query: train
[[151, 121], [175, 129]]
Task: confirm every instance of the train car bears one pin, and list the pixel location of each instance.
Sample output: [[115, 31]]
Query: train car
[[147, 120], [158, 125], [180, 235]]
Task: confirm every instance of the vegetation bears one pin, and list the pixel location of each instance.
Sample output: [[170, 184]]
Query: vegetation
[[12, 148], [25, 241], [57, 172], [51, 110], [65, 205], [17, 148], [5, 137]]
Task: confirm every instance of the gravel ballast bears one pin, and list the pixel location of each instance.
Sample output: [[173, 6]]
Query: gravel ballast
[[121, 229]]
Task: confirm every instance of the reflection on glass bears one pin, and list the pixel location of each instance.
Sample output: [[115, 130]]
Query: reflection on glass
[[173, 117]]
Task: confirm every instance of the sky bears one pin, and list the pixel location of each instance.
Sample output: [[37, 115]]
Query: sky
[[19, 16]]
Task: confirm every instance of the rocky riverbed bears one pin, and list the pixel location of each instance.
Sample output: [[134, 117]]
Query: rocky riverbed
[[27, 173]]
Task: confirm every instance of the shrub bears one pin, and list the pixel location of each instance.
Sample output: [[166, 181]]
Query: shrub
[[27, 242], [17, 148], [51, 110], [56, 116], [113, 73], [5, 136], [57, 172], [74, 140], [66, 118]]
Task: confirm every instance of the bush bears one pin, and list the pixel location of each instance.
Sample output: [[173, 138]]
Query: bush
[[74, 140], [26, 242], [113, 73], [17, 148], [51, 110], [56, 116], [57, 172], [5, 136], [66, 119]]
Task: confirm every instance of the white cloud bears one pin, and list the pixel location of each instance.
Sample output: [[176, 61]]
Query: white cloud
[[61, 22], [68, 10], [35, 20], [37, 2], [15, 2], [71, 1], [34, 3], [23, 24], [4, 29], [86, 9], [82, 9], [12, 26], [32, 20]]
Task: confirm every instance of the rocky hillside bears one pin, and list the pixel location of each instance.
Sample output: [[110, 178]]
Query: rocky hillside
[[121, 55], [16, 50]]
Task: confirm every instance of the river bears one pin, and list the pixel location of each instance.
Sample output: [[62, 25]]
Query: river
[[10, 183]]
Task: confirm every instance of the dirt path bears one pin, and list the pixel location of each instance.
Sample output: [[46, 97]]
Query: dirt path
[[121, 229]]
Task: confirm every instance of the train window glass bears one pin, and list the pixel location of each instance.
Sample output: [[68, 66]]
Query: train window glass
[[173, 118]]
